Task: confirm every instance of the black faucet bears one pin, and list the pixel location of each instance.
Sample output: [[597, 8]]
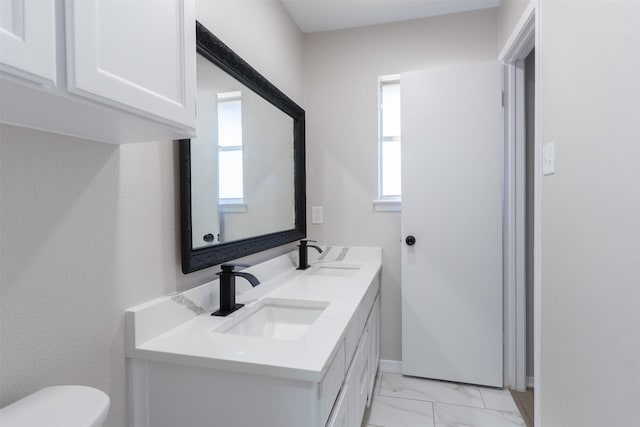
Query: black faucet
[[303, 258], [228, 288]]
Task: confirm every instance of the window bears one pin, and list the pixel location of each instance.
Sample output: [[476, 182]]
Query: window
[[389, 162], [230, 182]]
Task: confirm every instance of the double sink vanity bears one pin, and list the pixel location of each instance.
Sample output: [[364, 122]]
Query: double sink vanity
[[286, 346], [303, 351]]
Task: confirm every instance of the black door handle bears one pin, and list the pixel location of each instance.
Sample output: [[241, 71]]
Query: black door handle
[[410, 240]]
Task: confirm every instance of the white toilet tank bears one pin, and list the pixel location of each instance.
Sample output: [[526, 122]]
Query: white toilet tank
[[58, 406]]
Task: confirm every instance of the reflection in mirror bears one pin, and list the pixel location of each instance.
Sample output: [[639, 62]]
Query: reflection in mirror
[[242, 180], [241, 162]]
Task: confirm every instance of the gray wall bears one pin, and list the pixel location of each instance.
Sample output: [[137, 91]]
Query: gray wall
[[590, 106], [90, 229], [509, 13], [341, 75]]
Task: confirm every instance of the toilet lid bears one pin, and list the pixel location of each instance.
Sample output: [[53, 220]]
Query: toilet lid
[[58, 406]]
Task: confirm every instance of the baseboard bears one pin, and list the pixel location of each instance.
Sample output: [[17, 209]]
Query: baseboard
[[390, 366], [530, 381]]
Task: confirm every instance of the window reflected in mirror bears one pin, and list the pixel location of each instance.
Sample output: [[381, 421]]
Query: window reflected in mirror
[[230, 182]]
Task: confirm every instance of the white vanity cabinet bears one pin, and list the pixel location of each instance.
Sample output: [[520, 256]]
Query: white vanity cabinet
[[104, 70], [168, 394]]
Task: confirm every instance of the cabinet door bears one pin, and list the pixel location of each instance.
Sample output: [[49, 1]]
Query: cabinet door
[[340, 414], [373, 325], [137, 55], [28, 39], [330, 385], [358, 381]]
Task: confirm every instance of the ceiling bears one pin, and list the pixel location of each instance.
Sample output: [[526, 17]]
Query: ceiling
[[327, 15]]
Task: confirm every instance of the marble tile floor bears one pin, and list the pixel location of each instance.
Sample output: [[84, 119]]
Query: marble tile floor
[[415, 402]]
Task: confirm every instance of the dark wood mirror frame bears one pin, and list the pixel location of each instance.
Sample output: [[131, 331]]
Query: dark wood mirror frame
[[214, 50]]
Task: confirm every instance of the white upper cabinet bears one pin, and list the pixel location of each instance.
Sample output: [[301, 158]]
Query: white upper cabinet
[[28, 40], [107, 70], [134, 54]]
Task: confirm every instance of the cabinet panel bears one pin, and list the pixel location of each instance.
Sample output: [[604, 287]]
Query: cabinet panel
[[172, 395], [373, 325], [138, 55], [330, 384], [28, 39], [340, 414], [351, 338], [357, 381]]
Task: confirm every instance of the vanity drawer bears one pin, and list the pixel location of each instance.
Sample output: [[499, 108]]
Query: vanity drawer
[[331, 383]]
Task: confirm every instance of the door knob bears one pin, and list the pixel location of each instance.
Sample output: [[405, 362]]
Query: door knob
[[410, 240]]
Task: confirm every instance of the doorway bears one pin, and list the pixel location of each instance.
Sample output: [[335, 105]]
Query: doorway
[[524, 398], [530, 81], [522, 214]]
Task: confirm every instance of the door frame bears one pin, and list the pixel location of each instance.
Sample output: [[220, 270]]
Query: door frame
[[521, 42]]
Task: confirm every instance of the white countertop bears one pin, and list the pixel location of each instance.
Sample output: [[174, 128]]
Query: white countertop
[[165, 331]]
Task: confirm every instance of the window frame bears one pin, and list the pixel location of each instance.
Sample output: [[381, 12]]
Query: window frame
[[385, 203]]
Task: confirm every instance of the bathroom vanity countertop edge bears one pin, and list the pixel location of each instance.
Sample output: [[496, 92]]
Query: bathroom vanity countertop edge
[[194, 343]]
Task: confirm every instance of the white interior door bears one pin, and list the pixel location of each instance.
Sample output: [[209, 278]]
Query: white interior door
[[451, 204]]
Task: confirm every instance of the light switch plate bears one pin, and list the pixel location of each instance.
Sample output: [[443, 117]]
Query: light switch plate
[[549, 159], [316, 215]]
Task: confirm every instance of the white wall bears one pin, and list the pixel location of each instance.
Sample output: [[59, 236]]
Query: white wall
[[89, 229], [590, 106], [341, 72], [509, 13], [263, 34]]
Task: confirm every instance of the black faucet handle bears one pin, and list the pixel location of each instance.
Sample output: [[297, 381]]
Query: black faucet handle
[[303, 244], [228, 267], [250, 278]]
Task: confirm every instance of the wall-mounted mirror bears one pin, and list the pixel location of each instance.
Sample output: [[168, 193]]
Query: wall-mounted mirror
[[243, 177]]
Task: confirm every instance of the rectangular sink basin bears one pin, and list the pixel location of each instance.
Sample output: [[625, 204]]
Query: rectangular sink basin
[[278, 319], [335, 270]]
